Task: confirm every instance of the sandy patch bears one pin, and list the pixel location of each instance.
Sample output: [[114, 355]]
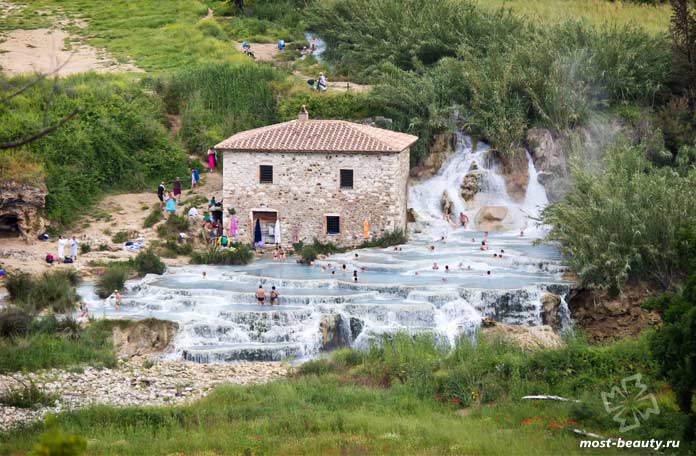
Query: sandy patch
[[45, 50], [264, 52], [126, 213]]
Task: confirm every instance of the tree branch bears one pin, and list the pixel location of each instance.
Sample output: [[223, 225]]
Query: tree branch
[[41, 133]]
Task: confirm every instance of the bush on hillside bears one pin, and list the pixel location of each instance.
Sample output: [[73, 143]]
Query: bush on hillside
[[120, 237], [237, 254], [53, 290], [622, 220], [113, 278], [14, 322], [147, 262], [27, 395], [118, 142], [174, 225], [217, 100], [153, 217]]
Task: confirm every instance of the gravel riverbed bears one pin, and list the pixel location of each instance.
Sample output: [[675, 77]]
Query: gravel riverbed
[[134, 382]]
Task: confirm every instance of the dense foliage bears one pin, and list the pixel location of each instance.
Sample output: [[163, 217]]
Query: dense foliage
[[499, 73], [147, 262], [217, 100], [118, 142], [53, 290], [622, 219]]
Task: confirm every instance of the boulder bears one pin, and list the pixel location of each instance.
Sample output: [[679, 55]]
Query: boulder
[[144, 337], [411, 215], [491, 218], [550, 303], [527, 337], [21, 206], [470, 185], [332, 334]]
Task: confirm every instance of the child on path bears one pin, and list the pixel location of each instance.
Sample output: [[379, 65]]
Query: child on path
[[195, 177], [171, 204]]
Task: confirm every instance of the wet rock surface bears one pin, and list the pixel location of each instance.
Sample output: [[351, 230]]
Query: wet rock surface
[[136, 382]]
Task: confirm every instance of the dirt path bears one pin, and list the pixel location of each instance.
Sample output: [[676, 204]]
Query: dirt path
[[114, 213]]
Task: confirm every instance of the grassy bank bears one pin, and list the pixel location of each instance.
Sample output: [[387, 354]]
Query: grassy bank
[[51, 344], [389, 401], [155, 35], [653, 18]]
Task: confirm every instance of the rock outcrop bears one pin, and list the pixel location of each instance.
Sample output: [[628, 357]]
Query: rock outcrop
[[144, 337], [443, 145], [550, 304], [549, 154], [471, 184], [21, 206], [604, 319], [492, 218], [527, 337], [516, 173], [332, 334]]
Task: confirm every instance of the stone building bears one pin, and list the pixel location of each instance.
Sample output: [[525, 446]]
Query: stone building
[[320, 178]]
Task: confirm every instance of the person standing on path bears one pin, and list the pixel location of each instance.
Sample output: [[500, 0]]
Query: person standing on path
[[195, 177], [211, 160], [177, 188], [61, 248], [73, 248], [160, 194]]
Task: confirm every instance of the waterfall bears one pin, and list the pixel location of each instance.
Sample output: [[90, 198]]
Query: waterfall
[[443, 292]]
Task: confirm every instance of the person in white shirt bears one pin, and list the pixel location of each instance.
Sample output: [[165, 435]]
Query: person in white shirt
[[61, 247], [73, 248]]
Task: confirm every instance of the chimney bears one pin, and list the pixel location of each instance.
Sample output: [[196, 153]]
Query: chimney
[[303, 114]]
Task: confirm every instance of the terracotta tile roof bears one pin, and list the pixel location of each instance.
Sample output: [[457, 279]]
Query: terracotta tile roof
[[318, 136]]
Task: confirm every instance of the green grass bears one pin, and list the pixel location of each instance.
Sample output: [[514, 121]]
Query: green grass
[[652, 18], [342, 410], [44, 350], [157, 36], [27, 395]]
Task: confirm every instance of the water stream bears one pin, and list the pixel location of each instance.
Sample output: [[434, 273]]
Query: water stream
[[396, 290]]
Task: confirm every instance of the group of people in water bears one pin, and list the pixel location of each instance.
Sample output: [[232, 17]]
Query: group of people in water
[[273, 298]]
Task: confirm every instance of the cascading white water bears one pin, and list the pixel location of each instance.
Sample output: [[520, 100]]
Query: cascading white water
[[398, 290]]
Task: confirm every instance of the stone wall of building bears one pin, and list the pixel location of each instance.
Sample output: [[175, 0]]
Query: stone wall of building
[[306, 188]]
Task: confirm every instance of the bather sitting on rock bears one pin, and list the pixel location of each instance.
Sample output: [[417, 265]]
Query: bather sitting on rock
[[483, 246], [463, 219]]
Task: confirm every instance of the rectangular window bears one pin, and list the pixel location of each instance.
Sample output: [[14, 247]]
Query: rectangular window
[[346, 178], [333, 224], [266, 174]]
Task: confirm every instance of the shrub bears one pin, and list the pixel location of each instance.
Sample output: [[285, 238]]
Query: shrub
[[310, 252], [147, 262], [120, 237], [673, 347], [85, 248], [27, 396], [153, 217], [622, 221], [18, 286], [388, 240], [210, 27], [54, 290], [14, 322], [174, 225], [237, 254], [114, 278], [55, 442], [172, 249]]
